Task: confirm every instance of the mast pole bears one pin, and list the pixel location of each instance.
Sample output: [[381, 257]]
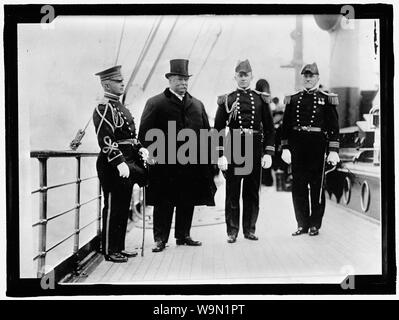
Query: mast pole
[[142, 55], [147, 80]]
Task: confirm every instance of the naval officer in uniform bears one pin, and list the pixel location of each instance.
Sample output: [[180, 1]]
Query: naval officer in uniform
[[310, 131], [119, 163], [248, 112]]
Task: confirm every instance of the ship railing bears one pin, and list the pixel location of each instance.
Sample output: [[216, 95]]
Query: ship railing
[[358, 154], [43, 157]]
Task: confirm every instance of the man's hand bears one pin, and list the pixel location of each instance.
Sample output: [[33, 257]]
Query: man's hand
[[144, 154], [266, 161], [333, 158], [222, 163], [286, 156], [123, 170]]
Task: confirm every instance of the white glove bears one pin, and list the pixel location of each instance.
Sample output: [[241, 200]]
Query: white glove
[[222, 163], [333, 158], [123, 170], [144, 154], [266, 161], [286, 156]]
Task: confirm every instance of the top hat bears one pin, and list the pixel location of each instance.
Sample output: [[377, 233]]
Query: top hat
[[310, 68], [178, 67], [243, 66], [113, 73]]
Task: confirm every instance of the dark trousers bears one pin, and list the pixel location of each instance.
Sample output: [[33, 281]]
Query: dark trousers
[[250, 195], [267, 177], [305, 185], [307, 150], [117, 194], [162, 216]]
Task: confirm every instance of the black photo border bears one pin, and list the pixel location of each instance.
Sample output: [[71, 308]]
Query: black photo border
[[370, 284]]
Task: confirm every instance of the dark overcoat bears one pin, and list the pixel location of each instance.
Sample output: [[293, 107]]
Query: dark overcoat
[[176, 183]]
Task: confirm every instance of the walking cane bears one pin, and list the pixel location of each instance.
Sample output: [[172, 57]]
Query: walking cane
[[144, 205], [142, 244]]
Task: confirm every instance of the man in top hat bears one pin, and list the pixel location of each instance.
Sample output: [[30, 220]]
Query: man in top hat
[[246, 112], [309, 131], [174, 185], [119, 163]]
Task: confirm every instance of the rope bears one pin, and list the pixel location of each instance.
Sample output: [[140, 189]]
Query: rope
[[196, 39], [147, 80], [218, 80], [120, 41], [143, 53], [207, 56]]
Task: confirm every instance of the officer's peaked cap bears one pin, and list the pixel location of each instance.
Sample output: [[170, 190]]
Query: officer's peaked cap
[[113, 73], [310, 68], [243, 66]]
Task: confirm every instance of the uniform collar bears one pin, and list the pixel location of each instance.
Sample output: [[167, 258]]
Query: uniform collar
[[312, 90], [111, 96], [244, 90]]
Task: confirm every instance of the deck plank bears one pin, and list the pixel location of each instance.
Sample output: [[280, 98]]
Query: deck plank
[[130, 269], [196, 268], [174, 266], [99, 273], [152, 271], [167, 256], [185, 270]]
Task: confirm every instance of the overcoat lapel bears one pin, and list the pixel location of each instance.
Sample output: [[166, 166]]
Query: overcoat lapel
[[188, 101], [172, 98]]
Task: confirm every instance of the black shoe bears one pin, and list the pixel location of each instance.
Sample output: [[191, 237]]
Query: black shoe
[[188, 242], [159, 246], [300, 231], [313, 231], [128, 254], [250, 236], [115, 257], [232, 238]]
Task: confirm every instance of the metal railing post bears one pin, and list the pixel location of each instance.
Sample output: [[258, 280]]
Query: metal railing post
[[42, 217], [42, 191], [99, 210], [77, 210]]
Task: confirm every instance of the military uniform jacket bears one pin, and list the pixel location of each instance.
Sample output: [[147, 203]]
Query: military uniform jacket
[[311, 111], [116, 131], [246, 110]]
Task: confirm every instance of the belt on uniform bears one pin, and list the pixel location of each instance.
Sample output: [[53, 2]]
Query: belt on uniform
[[307, 128], [249, 131], [127, 141]]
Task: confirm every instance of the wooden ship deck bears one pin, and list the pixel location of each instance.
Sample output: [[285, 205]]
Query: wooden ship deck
[[348, 243]]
